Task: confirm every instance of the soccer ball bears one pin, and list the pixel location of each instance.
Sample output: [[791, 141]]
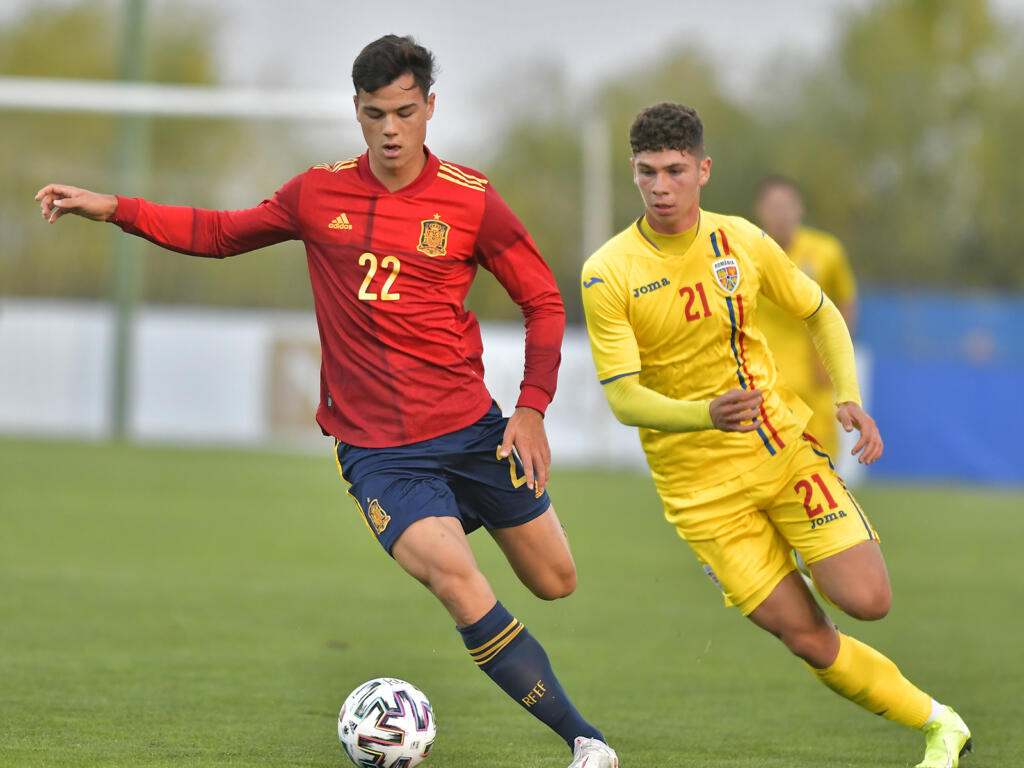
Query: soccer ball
[[387, 723]]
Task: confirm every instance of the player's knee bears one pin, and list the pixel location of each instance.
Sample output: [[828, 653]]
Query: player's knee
[[870, 603], [557, 583], [555, 588]]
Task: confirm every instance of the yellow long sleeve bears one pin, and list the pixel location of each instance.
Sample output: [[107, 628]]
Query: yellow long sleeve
[[832, 339], [636, 405]]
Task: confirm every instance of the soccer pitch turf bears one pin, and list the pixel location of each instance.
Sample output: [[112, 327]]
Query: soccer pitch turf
[[207, 608]]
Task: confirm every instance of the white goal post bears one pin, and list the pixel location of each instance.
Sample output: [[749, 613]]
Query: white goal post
[[113, 97]]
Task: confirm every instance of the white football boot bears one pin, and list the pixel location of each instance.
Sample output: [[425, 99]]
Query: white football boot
[[593, 753]]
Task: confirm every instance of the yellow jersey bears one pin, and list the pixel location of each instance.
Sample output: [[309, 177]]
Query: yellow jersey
[[686, 324], [821, 256]]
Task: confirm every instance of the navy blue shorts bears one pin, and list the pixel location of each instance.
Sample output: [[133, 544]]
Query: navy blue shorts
[[454, 475]]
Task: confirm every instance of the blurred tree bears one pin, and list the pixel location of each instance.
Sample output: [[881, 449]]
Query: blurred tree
[[210, 163], [904, 144], [537, 172]]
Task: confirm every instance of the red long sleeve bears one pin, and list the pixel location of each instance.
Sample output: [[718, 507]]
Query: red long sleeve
[[217, 234], [506, 249]]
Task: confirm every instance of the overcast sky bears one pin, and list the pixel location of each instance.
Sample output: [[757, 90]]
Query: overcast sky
[[478, 40], [481, 45]]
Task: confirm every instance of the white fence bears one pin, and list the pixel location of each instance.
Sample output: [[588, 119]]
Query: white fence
[[240, 377], [248, 377]]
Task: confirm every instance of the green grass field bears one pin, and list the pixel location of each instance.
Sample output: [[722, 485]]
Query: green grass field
[[213, 608]]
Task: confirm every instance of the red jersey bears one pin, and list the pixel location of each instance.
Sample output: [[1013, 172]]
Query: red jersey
[[401, 356]]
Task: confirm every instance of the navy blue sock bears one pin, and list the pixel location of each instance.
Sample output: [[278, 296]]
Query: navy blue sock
[[503, 648]]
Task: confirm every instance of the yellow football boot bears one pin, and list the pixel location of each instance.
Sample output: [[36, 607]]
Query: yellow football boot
[[947, 739]]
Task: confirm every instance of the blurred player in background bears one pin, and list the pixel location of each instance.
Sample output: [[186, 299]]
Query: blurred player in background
[[393, 239], [779, 209], [671, 304]]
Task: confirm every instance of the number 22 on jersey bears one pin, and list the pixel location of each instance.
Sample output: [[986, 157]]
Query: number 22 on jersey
[[369, 261]]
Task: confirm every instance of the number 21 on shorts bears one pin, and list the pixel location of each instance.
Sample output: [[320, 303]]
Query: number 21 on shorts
[[805, 487]]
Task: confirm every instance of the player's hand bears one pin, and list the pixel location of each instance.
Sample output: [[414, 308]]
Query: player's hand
[[525, 432], [737, 410], [870, 446], [57, 199]]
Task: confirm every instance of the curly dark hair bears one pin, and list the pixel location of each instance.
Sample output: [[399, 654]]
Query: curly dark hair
[[667, 126], [388, 58]]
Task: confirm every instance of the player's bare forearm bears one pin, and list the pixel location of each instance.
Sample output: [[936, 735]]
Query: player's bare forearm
[[525, 432], [55, 200], [738, 410], [870, 445]]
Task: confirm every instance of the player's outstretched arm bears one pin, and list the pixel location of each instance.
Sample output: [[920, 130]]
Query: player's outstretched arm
[[184, 229], [525, 431], [55, 200], [870, 445]]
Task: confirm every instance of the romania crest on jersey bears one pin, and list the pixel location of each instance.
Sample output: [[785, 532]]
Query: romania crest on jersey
[[379, 519], [727, 273], [433, 237]]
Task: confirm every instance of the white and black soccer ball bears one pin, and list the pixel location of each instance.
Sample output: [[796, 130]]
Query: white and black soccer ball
[[387, 723]]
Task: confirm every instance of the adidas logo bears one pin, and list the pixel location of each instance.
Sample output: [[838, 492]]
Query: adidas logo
[[340, 222]]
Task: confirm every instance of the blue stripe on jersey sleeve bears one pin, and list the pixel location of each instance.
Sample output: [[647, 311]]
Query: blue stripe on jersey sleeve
[[821, 303], [613, 378]]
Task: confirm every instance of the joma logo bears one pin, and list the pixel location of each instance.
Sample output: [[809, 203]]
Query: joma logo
[[829, 517], [650, 287]]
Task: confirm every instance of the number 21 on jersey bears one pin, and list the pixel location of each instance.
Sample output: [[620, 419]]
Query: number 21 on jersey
[[691, 294]]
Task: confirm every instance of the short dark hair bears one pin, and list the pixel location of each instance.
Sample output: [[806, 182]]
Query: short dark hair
[[385, 60], [667, 126], [773, 180]]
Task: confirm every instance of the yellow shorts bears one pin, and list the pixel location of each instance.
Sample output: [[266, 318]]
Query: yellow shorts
[[743, 530]]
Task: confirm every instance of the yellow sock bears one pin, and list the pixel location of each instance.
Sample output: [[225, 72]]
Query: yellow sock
[[866, 677]]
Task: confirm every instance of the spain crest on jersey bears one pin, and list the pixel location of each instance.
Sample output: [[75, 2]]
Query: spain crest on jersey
[[379, 519], [727, 273], [433, 237]]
